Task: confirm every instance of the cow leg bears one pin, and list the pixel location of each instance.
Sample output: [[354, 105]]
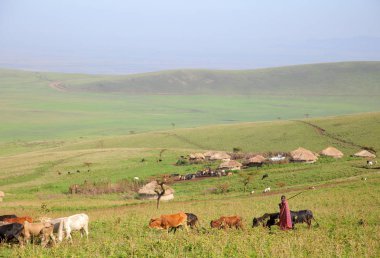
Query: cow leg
[[52, 237], [85, 228]]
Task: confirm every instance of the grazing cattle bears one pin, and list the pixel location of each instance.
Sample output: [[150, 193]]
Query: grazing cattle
[[20, 220], [270, 219], [266, 190], [72, 223], [230, 222], [11, 232], [3, 217], [267, 220], [136, 178], [169, 222], [302, 216], [44, 229], [264, 176], [192, 220]]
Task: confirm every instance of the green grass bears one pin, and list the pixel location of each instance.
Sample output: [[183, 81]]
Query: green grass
[[31, 110]]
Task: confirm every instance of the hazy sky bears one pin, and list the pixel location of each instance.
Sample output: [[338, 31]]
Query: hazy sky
[[120, 36]]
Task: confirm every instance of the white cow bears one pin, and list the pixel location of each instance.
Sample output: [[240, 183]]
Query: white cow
[[266, 190], [75, 222]]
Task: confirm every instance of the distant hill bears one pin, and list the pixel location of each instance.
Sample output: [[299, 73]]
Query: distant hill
[[346, 78], [334, 79]]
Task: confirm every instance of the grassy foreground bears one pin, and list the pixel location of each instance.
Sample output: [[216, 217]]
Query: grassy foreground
[[118, 224]]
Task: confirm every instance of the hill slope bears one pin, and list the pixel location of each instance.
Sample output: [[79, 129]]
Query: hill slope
[[339, 79]]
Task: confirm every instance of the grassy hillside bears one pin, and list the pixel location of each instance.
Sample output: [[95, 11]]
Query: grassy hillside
[[332, 79], [40, 106], [118, 224]]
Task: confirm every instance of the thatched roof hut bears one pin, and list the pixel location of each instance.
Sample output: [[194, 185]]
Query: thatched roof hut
[[147, 191], [364, 154], [208, 154], [303, 155], [230, 165], [258, 159], [332, 152], [220, 156], [196, 156]]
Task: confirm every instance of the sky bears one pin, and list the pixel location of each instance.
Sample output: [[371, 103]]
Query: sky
[[122, 36]]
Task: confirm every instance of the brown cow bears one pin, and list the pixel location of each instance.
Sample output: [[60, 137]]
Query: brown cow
[[169, 221], [39, 229], [20, 220], [224, 222]]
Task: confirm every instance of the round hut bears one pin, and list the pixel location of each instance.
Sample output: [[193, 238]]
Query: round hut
[[332, 152], [230, 165], [220, 156], [197, 157], [148, 192], [256, 160], [365, 154], [303, 155]]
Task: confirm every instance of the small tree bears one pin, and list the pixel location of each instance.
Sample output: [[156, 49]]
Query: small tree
[[160, 191], [246, 179]]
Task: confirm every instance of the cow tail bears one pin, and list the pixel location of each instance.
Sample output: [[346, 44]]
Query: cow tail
[[60, 231]]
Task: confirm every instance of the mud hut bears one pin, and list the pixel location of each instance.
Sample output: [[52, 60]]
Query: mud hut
[[230, 165], [332, 152], [148, 192], [303, 155], [196, 157], [220, 156], [365, 154], [254, 161]]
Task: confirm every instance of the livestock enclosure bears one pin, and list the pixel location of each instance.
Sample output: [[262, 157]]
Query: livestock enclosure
[[36, 181]]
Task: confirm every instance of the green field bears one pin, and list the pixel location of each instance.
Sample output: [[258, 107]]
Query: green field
[[46, 133], [32, 110]]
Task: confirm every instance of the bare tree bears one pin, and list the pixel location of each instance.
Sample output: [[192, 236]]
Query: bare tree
[[160, 192]]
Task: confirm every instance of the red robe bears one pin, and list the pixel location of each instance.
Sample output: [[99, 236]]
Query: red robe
[[285, 218]]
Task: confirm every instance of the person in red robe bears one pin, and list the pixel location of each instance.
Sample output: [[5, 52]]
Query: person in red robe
[[285, 218]]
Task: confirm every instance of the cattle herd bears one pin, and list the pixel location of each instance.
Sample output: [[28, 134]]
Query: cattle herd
[[23, 229], [15, 229]]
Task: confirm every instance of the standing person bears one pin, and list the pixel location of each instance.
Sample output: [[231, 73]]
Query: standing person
[[285, 218]]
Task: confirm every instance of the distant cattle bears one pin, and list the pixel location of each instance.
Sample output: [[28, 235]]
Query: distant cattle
[[371, 162], [227, 222], [45, 230], [3, 217], [266, 190], [20, 220], [169, 222], [77, 222], [11, 232]]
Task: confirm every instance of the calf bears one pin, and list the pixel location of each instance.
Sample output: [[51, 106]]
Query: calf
[[44, 229], [192, 220], [11, 232], [230, 222]]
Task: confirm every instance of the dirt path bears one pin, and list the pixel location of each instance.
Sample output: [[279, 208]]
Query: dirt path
[[323, 132], [58, 85]]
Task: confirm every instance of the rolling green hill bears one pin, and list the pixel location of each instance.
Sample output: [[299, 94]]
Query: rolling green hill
[[37, 105], [332, 79]]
